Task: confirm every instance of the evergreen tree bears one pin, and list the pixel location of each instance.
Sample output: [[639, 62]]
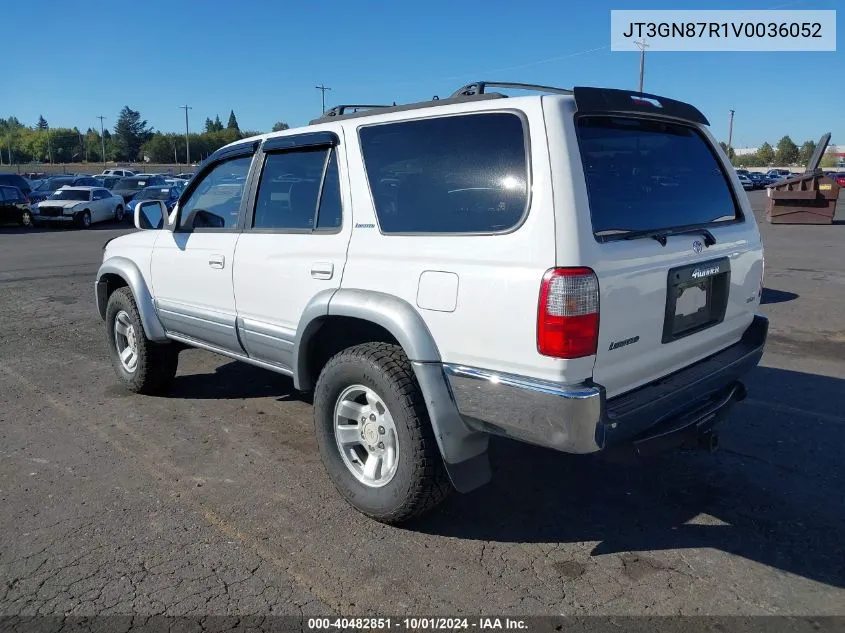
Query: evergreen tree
[[42, 123], [233, 122], [131, 133]]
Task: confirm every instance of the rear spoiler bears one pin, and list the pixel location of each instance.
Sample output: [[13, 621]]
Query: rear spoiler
[[611, 101]]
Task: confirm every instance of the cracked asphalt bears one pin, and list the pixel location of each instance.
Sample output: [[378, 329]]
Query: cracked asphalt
[[213, 500]]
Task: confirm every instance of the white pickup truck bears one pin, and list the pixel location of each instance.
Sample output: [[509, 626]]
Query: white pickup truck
[[576, 269]]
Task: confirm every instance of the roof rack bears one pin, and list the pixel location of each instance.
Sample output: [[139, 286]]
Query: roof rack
[[478, 88], [332, 115], [339, 110]]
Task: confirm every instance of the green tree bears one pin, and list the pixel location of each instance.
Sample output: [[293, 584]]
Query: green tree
[[130, 133], [280, 125], [233, 122], [209, 125], [218, 124], [787, 152], [766, 154], [42, 123], [829, 160], [806, 151]]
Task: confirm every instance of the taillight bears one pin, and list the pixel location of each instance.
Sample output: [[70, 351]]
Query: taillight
[[568, 313]]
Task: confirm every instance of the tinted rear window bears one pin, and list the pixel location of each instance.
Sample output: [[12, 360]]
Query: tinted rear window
[[458, 174], [644, 175], [133, 183]]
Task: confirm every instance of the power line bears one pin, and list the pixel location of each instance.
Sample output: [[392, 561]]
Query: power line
[[323, 89], [642, 46], [187, 140], [102, 137]]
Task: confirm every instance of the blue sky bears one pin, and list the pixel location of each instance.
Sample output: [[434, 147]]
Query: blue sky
[[263, 59]]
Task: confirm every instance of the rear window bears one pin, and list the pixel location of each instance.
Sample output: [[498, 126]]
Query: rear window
[[132, 183], [648, 175], [458, 174]]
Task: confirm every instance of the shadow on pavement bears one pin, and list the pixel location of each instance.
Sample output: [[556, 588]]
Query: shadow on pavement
[[773, 494], [233, 381], [770, 295]]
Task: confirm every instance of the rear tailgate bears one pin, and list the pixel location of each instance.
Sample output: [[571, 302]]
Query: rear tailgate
[[666, 300]]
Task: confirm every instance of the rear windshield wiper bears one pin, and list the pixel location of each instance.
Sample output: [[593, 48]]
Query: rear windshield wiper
[[660, 235]]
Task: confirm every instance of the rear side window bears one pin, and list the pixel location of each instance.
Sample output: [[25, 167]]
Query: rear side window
[[299, 191], [643, 174], [458, 174]]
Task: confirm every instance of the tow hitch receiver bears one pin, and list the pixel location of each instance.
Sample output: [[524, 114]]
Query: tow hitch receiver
[[694, 429]]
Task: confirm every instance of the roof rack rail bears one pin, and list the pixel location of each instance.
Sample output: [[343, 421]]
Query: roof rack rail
[[340, 110], [479, 87]]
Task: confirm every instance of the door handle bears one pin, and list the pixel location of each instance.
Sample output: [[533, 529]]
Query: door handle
[[322, 270], [216, 261]]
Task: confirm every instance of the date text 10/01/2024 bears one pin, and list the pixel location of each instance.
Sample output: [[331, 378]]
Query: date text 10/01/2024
[[444, 624]]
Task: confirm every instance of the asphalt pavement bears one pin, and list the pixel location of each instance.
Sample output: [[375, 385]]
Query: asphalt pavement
[[213, 500]]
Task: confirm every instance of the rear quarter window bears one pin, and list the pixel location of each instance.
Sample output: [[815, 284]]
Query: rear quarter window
[[453, 174], [646, 174]]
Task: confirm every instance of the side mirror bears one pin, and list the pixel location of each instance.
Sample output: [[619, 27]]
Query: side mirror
[[150, 214]]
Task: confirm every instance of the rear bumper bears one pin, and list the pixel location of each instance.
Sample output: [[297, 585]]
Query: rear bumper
[[580, 419]]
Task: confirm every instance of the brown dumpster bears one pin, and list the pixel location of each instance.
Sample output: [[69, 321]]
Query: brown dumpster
[[809, 198]]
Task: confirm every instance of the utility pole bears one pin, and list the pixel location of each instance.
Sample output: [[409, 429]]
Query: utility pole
[[323, 89], [187, 140], [731, 131], [49, 147], [102, 137], [642, 46]]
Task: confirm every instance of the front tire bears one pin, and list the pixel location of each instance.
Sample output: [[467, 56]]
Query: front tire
[[26, 219], [83, 220], [374, 434], [142, 365], [119, 214]]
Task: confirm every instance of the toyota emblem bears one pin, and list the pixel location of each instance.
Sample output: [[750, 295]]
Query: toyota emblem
[[697, 246]]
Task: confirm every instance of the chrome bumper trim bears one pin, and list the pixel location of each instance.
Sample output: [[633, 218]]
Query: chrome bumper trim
[[564, 417]]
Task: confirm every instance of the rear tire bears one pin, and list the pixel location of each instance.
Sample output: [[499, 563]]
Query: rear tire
[[26, 219], [378, 378], [143, 366]]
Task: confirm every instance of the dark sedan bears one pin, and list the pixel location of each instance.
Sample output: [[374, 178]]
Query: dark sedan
[[48, 187], [169, 195], [14, 206], [15, 180], [128, 187]]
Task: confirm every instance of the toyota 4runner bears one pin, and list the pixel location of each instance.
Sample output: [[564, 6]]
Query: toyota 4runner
[[577, 269]]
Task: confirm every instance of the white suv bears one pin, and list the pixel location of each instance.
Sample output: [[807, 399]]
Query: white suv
[[576, 269]]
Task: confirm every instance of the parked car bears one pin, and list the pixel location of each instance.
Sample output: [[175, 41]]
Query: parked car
[[176, 182], [758, 180], [108, 182], [14, 206], [745, 181], [167, 194], [840, 178], [15, 180], [123, 173], [48, 187], [82, 206], [128, 187], [525, 297], [86, 181], [185, 176]]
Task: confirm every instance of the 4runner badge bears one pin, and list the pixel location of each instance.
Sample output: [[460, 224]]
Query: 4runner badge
[[698, 273]]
